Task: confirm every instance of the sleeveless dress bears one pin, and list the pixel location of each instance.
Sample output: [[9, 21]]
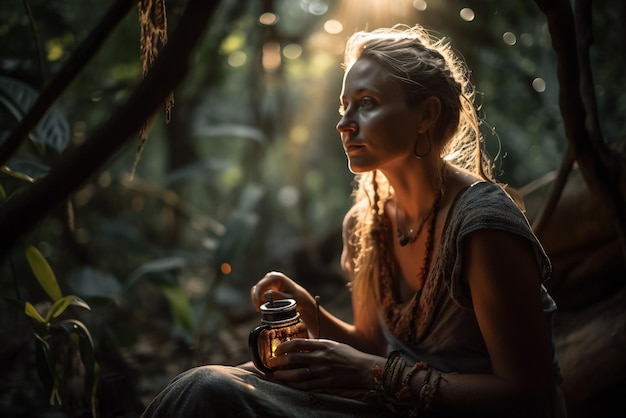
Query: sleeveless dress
[[437, 326]]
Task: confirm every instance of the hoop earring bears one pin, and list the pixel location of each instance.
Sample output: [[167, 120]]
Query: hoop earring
[[424, 155]]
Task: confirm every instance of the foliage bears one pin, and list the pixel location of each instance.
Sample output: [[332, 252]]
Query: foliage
[[50, 371]]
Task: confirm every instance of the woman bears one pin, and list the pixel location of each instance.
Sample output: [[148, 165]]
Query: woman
[[450, 315]]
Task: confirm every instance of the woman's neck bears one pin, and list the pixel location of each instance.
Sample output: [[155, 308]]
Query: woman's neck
[[417, 187]]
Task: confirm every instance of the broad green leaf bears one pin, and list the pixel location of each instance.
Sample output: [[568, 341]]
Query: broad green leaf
[[3, 194], [44, 274], [18, 98], [61, 305], [30, 310], [156, 266], [89, 282], [179, 305]]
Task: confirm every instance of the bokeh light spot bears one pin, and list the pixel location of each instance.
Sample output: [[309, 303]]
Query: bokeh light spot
[[268, 19], [195, 287], [288, 196], [226, 268], [55, 52], [234, 42], [333, 26], [420, 5], [467, 14], [526, 39], [237, 59], [292, 51], [299, 134], [539, 85], [104, 179], [509, 38], [315, 7], [271, 56]]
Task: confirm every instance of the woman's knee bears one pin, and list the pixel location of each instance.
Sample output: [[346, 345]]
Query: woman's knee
[[197, 392]]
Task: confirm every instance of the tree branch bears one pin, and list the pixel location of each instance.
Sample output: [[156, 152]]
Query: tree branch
[[541, 221], [77, 61], [589, 153], [73, 169]]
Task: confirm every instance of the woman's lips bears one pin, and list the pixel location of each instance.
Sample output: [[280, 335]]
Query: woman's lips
[[351, 146]]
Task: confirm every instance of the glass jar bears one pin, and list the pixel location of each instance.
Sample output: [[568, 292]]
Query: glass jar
[[280, 322]]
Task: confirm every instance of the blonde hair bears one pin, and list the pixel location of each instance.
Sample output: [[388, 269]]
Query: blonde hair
[[424, 66]]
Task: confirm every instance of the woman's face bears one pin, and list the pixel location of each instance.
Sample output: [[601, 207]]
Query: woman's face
[[378, 130]]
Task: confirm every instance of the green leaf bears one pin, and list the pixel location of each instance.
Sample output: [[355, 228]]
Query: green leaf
[[72, 326], [30, 310], [43, 272], [89, 282], [86, 348], [46, 369], [26, 168], [61, 305], [85, 345], [156, 266], [18, 98], [3, 194], [17, 174], [179, 305]]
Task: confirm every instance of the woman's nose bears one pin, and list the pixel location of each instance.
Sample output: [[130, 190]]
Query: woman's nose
[[346, 125]]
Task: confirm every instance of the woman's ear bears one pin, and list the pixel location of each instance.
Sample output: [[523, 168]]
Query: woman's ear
[[429, 113]]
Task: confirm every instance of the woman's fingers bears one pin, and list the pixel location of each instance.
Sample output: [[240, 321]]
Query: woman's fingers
[[303, 345], [301, 353], [295, 375], [273, 285]]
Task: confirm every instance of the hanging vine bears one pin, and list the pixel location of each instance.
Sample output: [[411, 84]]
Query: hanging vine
[[153, 21]]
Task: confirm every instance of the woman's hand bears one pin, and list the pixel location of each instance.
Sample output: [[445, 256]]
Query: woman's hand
[[281, 287], [323, 364]]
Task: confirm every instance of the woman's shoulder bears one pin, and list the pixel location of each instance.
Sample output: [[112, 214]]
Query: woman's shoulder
[[485, 205], [483, 197]]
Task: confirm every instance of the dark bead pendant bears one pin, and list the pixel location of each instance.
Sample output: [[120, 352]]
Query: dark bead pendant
[[403, 239]]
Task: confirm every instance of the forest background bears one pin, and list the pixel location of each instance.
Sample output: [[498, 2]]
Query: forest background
[[118, 273]]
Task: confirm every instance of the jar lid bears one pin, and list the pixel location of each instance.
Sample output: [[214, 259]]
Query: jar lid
[[279, 310]]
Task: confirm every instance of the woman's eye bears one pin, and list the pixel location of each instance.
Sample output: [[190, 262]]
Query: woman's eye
[[366, 103], [363, 103]]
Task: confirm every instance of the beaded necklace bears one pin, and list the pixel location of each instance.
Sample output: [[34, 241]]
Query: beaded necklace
[[401, 320], [411, 235]]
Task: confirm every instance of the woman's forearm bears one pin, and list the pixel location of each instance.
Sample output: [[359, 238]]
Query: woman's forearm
[[454, 394]]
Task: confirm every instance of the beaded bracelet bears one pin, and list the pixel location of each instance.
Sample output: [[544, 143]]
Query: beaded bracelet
[[405, 390], [396, 393]]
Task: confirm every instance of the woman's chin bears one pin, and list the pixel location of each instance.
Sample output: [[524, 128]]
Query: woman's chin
[[358, 169]]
